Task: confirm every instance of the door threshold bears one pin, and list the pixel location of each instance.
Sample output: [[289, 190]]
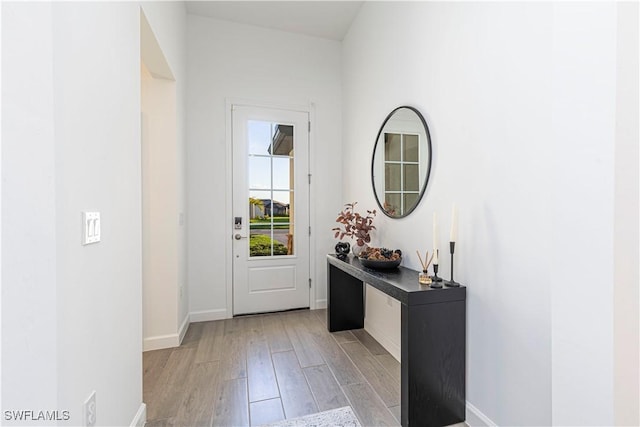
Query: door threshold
[[271, 312]]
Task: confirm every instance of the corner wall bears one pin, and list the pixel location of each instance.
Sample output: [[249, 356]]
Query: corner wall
[[626, 234], [168, 21], [479, 73], [160, 224], [582, 155], [96, 90], [72, 314], [520, 100]]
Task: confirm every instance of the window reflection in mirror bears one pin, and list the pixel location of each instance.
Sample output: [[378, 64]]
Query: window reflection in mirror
[[401, 162]]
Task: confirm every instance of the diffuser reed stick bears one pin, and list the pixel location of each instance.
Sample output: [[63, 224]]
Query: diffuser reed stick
[[430, 259], [424, 267], [423, 277]]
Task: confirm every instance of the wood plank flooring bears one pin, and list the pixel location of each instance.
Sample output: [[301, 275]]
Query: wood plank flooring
[[253, 370]]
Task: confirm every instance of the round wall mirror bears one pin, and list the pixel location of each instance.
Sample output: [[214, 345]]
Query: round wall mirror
[[401, 162]]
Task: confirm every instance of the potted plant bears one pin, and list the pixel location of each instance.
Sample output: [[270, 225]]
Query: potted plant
[[355, 226]]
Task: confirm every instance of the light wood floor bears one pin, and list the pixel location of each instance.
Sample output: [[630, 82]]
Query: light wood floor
[[249, 371]]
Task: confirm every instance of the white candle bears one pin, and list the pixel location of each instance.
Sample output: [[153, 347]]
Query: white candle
[[454, 224], [435, 256], [435, 232]]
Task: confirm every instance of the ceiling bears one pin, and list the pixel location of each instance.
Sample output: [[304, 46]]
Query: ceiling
[[326, 19]]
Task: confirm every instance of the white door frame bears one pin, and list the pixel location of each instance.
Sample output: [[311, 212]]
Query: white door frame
[[228, 202]]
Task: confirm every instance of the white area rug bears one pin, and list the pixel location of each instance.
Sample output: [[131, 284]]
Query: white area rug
[[341, 417]]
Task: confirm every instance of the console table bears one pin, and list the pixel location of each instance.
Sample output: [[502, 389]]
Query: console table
[[433, 329]]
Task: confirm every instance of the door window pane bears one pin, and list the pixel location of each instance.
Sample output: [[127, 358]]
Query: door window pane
[[259, 172], [257, 204], [282, 173], [259, 136], [260, 241], [282, 223], [271, 191]]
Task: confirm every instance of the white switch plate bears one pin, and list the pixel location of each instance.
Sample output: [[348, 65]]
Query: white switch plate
[[90, 227]]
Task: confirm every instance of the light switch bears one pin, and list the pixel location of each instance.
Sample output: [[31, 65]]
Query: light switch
[[90, 227]]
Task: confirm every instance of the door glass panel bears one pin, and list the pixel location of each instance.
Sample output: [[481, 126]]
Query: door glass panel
[[259, 172], [282, 170], [282, 223], [260, 241], [257, 204], [271, 190], [259, 136]]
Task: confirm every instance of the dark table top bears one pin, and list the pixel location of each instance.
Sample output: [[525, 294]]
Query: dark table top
[[399, 283]]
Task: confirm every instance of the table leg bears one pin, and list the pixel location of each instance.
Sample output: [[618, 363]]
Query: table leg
[[345, 301], [433, 364]]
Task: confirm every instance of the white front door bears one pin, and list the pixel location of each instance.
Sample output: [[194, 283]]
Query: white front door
[[270, 209]]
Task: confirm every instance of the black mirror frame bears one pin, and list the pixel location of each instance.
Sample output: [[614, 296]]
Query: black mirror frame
[[373, 158]]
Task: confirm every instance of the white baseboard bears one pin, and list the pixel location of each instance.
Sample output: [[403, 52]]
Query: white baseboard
[[321, 303], [141, 417], [475, 418], [174, 340], [183, 328], [160, 341], [383, 339], [208, 315]]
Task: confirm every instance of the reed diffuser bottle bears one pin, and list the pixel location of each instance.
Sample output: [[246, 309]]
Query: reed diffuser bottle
[[424, 278]]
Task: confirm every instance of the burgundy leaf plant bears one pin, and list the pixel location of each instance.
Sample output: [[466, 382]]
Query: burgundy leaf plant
[[354, 225]]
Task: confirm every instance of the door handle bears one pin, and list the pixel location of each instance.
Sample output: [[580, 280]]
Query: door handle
[[238, 237]]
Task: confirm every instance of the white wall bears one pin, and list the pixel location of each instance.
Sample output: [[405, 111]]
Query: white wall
[[160, 225], [164, 232], [520, 100], [232, 61], [463, 66], [168, 21], [626, 273], [71, 142], [382, 320], [97, 148], [0, 214], [29, 309], [584, 108]]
